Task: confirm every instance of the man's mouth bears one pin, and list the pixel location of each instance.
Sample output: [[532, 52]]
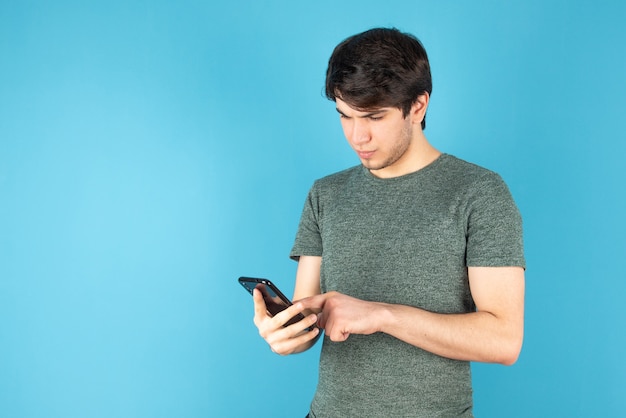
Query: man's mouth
[[365, 155]]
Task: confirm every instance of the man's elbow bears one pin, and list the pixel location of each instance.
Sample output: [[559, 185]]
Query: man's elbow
[[510, 351]]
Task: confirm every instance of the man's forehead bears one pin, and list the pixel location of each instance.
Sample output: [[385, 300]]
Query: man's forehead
[[344, 107]]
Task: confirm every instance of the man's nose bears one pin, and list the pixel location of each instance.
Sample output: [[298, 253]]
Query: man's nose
[[360, 132]]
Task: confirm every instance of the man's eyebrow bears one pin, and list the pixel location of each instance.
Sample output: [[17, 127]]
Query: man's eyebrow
[[367, 115]]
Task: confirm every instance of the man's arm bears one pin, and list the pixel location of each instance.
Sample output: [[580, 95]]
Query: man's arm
[[492, 334], [294, 338], [308, 277]]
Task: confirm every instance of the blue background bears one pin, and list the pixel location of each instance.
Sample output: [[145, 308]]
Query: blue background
[[151, 152]]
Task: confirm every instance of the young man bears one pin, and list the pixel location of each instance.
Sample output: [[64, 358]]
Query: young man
[[411, 263]]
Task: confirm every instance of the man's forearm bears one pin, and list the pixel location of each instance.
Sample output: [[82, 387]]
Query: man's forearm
[[476, 336]]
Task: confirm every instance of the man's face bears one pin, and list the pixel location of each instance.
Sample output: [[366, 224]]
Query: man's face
[[380, 137]]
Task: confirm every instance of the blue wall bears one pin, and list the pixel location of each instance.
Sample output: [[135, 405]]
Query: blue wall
[[151, 152]]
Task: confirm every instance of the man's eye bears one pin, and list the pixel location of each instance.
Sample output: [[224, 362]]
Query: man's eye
[[375, 118]]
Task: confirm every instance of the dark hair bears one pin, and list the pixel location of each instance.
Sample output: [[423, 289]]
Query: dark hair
[[379, 68]]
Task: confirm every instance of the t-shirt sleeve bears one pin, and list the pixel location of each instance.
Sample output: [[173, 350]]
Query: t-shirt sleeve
[[494, 234], [308, 238]]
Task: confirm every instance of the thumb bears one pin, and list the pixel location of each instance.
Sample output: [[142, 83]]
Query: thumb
[[259, 303]]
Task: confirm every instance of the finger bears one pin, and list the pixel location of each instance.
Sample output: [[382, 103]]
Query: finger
[[321, 320], [308, 323], [335, 330], [280, 334], [285, 316], [305, 336], [304, 325], [288, 346], [314, 303], [258, 299], [260, 310]]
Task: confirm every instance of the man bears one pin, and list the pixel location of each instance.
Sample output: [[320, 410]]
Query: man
[[411, 263]]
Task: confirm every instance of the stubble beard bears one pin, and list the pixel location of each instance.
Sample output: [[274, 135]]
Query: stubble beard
[[395, 154]]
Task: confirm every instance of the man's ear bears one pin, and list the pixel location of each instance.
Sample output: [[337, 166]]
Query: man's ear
[[419, 107]]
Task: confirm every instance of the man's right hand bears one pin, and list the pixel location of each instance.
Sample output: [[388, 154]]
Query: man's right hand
[[292, 339]]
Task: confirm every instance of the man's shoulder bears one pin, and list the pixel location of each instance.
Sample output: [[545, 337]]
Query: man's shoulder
[[472, 180], [466, 174], [457, 166]]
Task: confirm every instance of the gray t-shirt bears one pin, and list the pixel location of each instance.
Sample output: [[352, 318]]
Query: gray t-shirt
[[405, 240]]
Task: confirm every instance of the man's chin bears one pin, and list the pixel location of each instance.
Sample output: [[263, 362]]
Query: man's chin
[[370, 165]]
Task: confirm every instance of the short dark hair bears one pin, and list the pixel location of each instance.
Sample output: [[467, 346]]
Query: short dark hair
[[381, 67]]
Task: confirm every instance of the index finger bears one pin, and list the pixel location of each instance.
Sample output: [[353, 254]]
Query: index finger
[[314, 303]]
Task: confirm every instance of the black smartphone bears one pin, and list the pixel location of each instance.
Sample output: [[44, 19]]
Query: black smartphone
[[275, 301]]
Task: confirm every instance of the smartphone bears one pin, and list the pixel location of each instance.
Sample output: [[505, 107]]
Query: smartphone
[[275, 300]]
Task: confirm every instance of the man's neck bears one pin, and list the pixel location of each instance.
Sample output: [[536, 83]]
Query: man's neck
[[419, 155]]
